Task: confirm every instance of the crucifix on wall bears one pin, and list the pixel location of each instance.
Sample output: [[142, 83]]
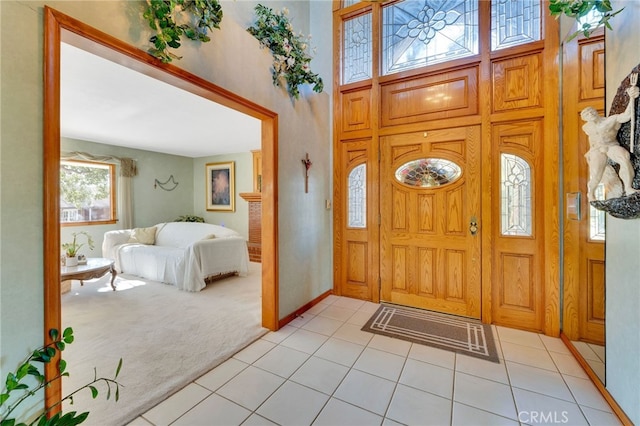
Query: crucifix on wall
[[307, 165]]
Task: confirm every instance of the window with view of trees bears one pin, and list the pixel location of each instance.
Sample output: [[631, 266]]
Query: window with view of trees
[[87, 193]]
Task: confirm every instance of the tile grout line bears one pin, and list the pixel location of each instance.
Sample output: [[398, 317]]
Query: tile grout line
[[453, 386], [506, 370], [395, 387], [288, 379]]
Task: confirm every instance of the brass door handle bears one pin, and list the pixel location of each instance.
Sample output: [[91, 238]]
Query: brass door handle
[[473, 225]]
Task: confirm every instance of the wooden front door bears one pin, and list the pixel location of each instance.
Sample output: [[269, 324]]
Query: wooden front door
[[413, 245], [430, 235]]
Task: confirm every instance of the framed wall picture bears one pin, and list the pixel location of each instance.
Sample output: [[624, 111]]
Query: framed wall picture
[[220, 187]]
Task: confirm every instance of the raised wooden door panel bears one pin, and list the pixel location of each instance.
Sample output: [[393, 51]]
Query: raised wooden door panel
[[356, 238], [592, 297], [429, 257], [453, 93], [592, 76], [518, 253], [517, 82], [356, 110]]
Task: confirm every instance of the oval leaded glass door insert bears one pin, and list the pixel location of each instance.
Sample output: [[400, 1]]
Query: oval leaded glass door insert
[[428, 172]]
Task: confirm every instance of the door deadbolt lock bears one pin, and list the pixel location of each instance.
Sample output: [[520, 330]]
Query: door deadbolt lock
[[473, 225]]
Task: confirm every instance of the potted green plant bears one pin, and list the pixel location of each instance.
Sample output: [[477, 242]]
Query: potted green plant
[[71, 249]]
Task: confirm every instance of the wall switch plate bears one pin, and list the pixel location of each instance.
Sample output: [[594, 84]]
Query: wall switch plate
[[573, 205], [327, 204]]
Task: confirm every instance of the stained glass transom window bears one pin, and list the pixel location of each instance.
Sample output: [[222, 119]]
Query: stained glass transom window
[[515, 195], [357, 197], [428, 172], [356, 58], [416, 33], [597, 217], [514, 22]]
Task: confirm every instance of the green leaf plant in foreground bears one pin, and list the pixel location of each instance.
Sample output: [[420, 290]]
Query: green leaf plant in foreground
[[578, 9], [196, 18], [16, 392]]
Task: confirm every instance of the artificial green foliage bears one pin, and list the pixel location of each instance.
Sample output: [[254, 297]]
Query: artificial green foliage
[[579, 8], [71, 249], [16, 390], [189, 218], [202, 16], [290, 58]]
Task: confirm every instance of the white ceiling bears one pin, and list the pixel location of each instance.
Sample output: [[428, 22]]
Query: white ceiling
[[104, 102]]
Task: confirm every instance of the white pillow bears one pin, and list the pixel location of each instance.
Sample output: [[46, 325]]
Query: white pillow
[[143, 235]]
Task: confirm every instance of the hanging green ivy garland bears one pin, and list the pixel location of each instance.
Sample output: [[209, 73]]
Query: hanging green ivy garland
[[161, 16], [290, 58]]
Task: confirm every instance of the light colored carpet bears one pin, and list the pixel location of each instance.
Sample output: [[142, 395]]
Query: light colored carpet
[[166, 338]]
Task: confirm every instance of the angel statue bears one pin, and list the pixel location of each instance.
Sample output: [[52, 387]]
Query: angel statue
[[602, 132]]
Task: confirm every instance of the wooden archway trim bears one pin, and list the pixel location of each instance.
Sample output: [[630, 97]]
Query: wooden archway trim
[[60, 27]]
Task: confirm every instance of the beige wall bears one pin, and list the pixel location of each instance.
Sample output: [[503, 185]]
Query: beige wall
[[232, 60]]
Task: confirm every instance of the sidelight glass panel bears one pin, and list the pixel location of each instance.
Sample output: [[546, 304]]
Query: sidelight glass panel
[[597, 217], [515, 195], [428, 172], [416, 33], [357, 197], [514, 22], [356, 57]]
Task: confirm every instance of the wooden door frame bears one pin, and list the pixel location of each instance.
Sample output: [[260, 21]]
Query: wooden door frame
[[60, 27], [369, 105]]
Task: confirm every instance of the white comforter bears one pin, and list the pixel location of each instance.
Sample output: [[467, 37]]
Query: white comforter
[[185, 267]]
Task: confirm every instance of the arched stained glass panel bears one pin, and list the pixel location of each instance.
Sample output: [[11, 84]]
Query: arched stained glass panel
[[357, 197], [515, 195], [416, 33], [428, 172]]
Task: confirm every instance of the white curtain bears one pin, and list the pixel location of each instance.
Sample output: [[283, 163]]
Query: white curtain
[[124, 190]]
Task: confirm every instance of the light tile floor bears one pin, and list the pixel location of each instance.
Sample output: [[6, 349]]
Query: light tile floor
[[321, 369]]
